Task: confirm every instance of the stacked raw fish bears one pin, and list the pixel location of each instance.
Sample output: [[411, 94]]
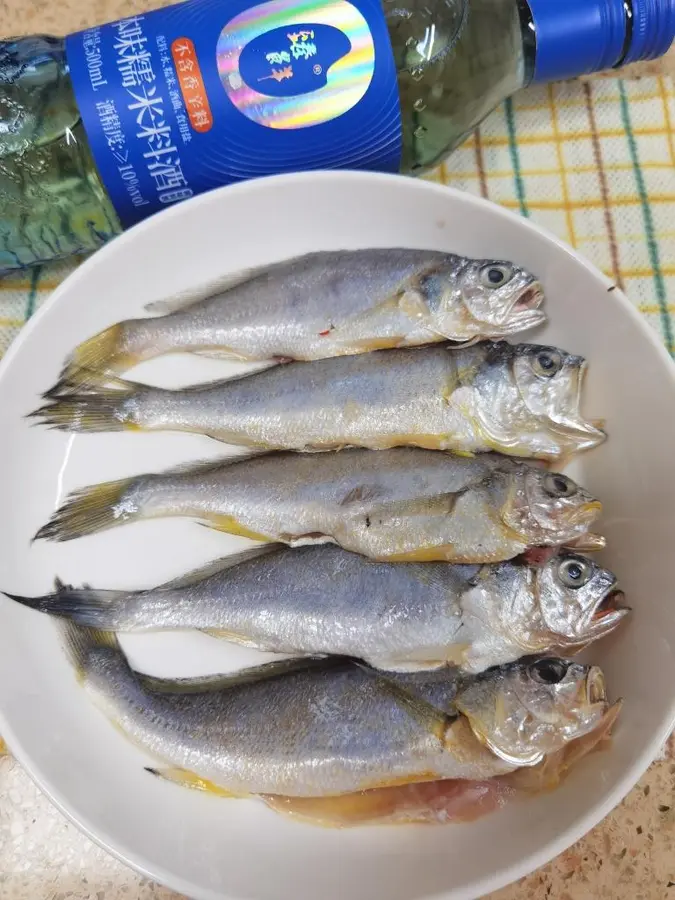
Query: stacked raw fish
[[422, 571]]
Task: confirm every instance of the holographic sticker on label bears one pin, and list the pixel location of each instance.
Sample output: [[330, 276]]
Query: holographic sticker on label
[[204, 93], [297, 69], [286, 65]]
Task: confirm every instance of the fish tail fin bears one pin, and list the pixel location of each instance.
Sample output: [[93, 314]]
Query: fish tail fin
[[90, 510], [102, 409], [84, 606], [79, 641], [96, 359]]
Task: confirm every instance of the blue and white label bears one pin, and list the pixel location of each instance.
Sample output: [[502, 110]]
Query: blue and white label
[[209, 92]]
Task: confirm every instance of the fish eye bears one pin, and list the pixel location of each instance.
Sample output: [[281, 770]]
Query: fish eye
[[575, 572], [495, 276], [548, 671], [559, 486], [547, 363]]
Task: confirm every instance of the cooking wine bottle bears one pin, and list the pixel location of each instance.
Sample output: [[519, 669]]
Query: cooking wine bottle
[[115, 123]]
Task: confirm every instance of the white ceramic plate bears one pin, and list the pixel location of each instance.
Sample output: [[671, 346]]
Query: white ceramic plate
[[212, 848]]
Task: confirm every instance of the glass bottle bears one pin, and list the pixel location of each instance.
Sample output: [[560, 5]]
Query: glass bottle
[[456, 60]]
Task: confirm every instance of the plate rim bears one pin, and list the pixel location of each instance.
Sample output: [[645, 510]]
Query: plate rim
[[587, 821]]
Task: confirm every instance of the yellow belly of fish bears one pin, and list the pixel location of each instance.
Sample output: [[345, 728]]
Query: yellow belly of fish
[[185, 778], [399, 781]]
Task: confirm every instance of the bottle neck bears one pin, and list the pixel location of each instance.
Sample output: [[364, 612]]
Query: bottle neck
[[529, 39], [576, 37]]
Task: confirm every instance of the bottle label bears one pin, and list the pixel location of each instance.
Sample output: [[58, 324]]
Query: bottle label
[[209, 92]]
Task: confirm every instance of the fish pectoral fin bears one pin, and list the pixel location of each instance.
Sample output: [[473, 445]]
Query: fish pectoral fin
[[435, 720], [441, 505], [362, 493], [407, 301], [390, 514], [188, 779]]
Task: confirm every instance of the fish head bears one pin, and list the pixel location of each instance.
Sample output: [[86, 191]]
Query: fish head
[[525, 710], [548, 508], [498, 298], [578, 600], [550, 383]]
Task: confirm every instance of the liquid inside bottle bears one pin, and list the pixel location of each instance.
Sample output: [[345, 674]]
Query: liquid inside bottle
[[456, 60], [52, 202]]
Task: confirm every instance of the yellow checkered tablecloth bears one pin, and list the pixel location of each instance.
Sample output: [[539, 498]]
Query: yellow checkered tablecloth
[[593, 162]]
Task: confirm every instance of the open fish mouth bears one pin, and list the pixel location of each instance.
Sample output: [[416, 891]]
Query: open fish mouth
[[587, 543], [611, 609], [596, 690], [526, 312], [531, 298], [586, 434]]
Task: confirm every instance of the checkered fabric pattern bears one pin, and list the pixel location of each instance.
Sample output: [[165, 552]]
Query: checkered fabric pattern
[[594, 162]]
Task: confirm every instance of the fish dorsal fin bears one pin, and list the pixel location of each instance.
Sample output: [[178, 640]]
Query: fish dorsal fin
[[99, 387], [218, 382], [206, 466], [114, 385], [183, 300], [219, 565], [201, 684], [440, 504]]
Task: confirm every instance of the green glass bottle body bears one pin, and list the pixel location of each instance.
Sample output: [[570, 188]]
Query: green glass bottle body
[[456, 60]]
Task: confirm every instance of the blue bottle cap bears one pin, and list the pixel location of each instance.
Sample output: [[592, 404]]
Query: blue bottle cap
[[577, 37], [653, 29]]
